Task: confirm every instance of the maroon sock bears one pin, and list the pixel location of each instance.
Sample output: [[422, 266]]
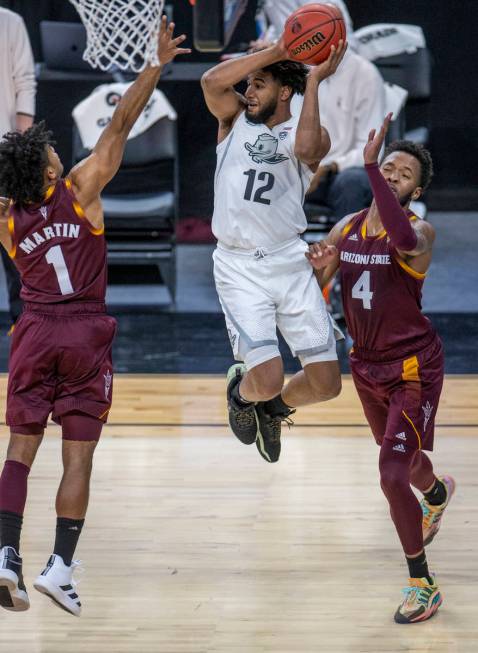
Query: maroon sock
[[13, 496], [13, 487]]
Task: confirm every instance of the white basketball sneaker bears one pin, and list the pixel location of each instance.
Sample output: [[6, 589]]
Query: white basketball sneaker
[[57, 582], [13, 593]]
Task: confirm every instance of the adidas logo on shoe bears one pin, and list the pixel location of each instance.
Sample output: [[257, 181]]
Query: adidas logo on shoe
[[399, 447], [56, 581]]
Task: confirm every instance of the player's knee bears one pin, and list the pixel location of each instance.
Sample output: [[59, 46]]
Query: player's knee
[[392, 479], [78, 456], [22, 448], [266, 385], [326, 391]]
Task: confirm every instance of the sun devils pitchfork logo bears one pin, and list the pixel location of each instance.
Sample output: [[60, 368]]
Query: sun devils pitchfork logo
[[427, 412], [107, 377]]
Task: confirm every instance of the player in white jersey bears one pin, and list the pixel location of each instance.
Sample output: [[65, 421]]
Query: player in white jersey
[[266, 160]]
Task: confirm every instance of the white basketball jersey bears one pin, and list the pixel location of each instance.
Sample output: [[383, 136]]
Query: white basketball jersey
[[259, 186]]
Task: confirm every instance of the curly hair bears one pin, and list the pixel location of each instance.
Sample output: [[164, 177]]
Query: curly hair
[[23, 158], [420, 153], [289, 73]]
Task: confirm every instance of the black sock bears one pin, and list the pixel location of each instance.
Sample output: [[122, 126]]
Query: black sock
[[437, 494], [418, 567], [68, 532], [277, 406], [238, 400], [10, 529]]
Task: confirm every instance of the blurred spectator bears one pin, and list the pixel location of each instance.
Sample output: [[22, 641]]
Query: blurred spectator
[[274, 14], [352, 102], [17, 109]]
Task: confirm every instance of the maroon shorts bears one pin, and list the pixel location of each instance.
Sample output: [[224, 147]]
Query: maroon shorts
[[400, 398], [60, 363]]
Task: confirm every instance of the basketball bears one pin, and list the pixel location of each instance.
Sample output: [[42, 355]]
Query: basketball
[[311, 31]]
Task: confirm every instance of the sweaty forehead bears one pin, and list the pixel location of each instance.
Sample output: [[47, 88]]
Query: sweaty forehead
[[404, 160], [259, 75]]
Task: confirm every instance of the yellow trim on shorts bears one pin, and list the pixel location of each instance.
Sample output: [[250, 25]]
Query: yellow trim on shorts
[[413, 426], [410, 369], [105, 413]]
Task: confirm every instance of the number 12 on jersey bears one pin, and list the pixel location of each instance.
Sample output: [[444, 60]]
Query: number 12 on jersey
[[361, 290], [268, 177]]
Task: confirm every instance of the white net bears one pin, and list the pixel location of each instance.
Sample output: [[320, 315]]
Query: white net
[[121, 33]]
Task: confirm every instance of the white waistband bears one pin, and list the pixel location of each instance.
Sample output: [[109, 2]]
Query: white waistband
[[259, 251]]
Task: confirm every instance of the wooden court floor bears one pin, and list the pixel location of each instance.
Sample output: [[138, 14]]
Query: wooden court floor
[[194, 544]]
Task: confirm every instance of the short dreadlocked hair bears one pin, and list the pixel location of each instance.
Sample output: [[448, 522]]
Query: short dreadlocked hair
[[420, 153], [289, 73], [23, 158]]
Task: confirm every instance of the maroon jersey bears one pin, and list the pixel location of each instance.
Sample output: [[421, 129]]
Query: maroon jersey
[[381, 295], [61, 257]]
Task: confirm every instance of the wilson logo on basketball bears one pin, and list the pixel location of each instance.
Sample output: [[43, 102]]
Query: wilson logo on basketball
[[309, 44], [296, 27]]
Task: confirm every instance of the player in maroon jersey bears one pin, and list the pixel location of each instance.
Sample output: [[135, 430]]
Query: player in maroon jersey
[[60, 359], [383, 254]]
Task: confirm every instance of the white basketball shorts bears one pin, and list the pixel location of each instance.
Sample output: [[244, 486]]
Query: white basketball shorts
[[264, 289]]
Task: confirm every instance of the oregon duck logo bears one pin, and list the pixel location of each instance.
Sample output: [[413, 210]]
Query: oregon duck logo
[[264, 150]]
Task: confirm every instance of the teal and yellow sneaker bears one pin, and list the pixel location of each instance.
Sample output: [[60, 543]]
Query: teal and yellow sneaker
[[421, 601], [432, 514]]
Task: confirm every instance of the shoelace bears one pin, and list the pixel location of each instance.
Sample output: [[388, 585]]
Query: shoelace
[[422, 594], [276, 425]]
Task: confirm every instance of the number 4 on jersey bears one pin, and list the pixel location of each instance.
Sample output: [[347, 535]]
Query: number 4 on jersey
[[361, 290]]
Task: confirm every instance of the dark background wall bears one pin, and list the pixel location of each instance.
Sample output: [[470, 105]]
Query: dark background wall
[[450, 30]]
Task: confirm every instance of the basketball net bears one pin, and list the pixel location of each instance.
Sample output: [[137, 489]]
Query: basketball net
[[121, 33]]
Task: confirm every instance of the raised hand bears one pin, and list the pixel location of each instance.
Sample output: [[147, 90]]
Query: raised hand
[[330, 65], [320, 255], [372, 148], [167, 45]]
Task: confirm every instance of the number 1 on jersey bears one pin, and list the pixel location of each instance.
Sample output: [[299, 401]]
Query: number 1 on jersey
[[55, 257], [361, 290]]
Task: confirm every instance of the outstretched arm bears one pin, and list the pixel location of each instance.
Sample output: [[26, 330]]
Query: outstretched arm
[[91, 175], [312, 141], [218, 82], [411, 239]]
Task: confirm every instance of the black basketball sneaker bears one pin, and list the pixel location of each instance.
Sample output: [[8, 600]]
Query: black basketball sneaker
[[268, 436], [13, 593], [242, 419]]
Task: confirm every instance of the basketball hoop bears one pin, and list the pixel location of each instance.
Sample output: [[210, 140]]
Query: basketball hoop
[[121, 33]]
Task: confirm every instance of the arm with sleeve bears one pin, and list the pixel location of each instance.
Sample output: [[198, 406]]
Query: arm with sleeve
[[395, 220]]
